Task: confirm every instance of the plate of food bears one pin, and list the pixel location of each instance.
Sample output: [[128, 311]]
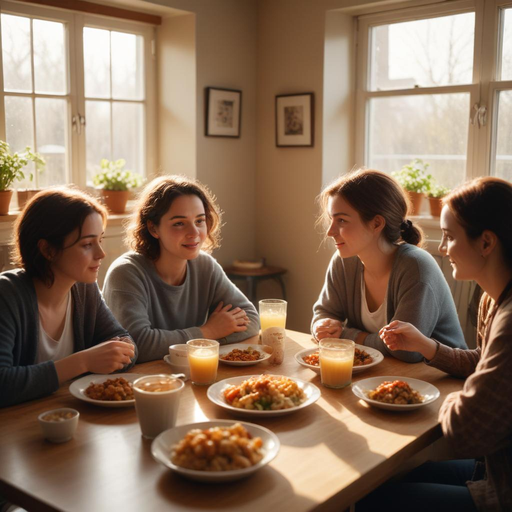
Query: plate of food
[[263, 395], [395, 393], [113, 390], [242, 354], [364, 358], [216, 451]]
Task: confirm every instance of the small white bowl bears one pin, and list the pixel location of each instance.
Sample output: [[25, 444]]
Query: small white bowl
[[59, 430], [178, 368]]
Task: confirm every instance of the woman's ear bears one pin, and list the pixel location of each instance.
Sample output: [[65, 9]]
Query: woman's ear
[[152, 229], [488, 241], [378, 222], [46, 249]]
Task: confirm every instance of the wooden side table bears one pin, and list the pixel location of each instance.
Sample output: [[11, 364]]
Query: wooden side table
[[253, 276]]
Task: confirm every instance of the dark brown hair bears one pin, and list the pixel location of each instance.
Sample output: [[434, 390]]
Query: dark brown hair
[[484, 204], [50, 215], [156, 199], [373, 193]]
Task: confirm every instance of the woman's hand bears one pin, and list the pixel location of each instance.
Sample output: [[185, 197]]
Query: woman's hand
[[225, 321], [109, 356], [404, 336], [327, 328]]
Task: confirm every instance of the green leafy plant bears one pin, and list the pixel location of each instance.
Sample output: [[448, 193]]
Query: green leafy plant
[[112, 176], [12, 164], [437, 190], [413, 177]]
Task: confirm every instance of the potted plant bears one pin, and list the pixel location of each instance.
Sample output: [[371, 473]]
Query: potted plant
[[25, 194], [414, 179], [115, 183], [11, 170], [435, 194]]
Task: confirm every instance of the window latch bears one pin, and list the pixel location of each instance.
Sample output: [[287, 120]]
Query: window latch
[[78, 123], [478, 116]]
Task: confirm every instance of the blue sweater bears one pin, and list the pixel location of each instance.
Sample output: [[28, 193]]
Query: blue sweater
[[21, 379]]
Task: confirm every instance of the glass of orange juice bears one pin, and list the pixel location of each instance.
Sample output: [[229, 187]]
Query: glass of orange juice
[[336, 361], [273, 323], [203, 359]]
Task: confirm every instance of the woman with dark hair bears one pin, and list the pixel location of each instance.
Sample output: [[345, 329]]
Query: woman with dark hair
[[54, 324], [168, 291], [477, 421], [378, 273]]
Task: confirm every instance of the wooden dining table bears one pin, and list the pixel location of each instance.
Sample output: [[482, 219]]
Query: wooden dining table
[[332, 453]]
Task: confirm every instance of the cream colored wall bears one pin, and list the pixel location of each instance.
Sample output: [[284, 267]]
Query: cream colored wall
[[223, 37]]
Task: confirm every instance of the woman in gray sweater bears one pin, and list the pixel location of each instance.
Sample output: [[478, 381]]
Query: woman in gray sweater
[[54, 324], [168, 291], [378, 273]]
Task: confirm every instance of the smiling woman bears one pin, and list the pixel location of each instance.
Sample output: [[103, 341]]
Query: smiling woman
[[44, 339], [169, 291]]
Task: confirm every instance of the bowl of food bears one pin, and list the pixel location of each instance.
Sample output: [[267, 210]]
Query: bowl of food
[[242, 354], [59, 425], [216, 450]]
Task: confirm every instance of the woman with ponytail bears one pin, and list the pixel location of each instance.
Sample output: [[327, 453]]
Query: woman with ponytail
[[378, 272], [477, 421]]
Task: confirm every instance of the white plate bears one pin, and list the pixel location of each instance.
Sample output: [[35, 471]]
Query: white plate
[[375, 354], [430, 393], [226, 349], [162, 446], [178, 368], [78, 387], [215, 394]]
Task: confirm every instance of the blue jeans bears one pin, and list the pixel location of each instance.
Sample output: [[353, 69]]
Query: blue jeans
[[434, 486]]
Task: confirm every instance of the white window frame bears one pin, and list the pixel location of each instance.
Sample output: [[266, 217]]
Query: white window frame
[[74, 24], [483, 90]]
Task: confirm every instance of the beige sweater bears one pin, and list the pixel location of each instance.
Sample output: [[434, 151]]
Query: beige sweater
[[477, 421]]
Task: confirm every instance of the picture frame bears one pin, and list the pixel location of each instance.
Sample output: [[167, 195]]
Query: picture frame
[[223, 112], [295, 120]]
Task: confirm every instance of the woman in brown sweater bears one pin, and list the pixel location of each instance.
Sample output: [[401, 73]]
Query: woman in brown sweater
[[477, 421]]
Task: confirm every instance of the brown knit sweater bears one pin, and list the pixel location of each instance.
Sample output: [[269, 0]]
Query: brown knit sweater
[[477, 421]]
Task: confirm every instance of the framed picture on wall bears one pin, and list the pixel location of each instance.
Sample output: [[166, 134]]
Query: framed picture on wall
[[223, 112], [294, 120]]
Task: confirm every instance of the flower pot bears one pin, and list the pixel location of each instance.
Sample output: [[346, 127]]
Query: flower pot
[[115, 200], [5, 201], [416, 199], [26, 195], [435, 206]]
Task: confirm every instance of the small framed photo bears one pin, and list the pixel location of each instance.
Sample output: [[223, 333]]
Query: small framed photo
[[223, 112], [294, 120]]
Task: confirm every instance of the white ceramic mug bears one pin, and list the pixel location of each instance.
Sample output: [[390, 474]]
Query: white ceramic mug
[[178, 354], [157, 400]]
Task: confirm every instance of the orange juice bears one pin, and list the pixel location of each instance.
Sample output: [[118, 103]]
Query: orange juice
[[203, 366], [269, 319], [336, 361]]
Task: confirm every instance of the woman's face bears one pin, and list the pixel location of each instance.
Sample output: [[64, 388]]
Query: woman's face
[[182, 230], [350, 234], [80, 260], [464, 254]]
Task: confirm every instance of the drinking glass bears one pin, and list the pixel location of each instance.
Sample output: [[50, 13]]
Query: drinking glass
[[203, 358], [273, 322], [336, 361]]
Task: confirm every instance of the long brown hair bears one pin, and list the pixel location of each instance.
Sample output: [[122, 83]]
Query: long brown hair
[[50, 215], [372, 193], [484, 204], [156, 199]]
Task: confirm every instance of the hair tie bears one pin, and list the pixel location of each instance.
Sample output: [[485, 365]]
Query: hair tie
[[406, 225]]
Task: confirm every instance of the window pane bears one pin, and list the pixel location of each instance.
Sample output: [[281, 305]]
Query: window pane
[[506, 54], [433, 128], [127, 69], [49, 57], [128, 123], [97, 135], [16, 53], [503, 165], [19, 122], [51, 115], [96, 63], [423, 53]]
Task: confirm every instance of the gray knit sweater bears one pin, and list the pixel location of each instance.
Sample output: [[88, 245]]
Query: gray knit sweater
[[20, 378], [157, 314], [417, 293]]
